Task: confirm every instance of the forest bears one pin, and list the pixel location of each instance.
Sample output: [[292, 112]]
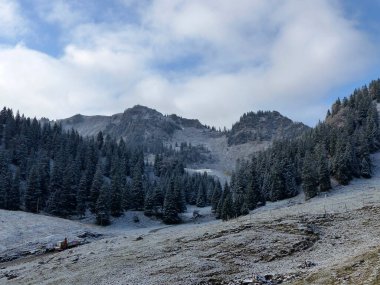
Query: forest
[[337, 148], [44, 169]]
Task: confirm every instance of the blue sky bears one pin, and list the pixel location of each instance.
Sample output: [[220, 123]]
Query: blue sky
[[212, 60]]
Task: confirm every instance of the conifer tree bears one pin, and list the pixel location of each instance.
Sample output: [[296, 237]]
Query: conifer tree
[[116, 193], [95, 188], [225, 193], [81, 196], [137, 190], [323, 170], [216, 196], [102, 209], [309, 177], [33, 191], [179, 195], [149, 202], [201, 196], [13, 201], [228, 208], [170, 211]]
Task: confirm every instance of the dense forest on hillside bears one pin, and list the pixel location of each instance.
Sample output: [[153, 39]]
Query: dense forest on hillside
[[45, 169], [339, 147]]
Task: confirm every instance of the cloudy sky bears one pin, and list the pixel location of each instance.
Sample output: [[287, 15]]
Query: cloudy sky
[[212, 60]]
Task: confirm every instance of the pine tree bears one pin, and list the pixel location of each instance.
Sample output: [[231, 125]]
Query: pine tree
[[277, 182], [95, 188], [216, 196], [116, 193], [81, 196], [54, 204], [309, 177], [323, 171], [149, 202], [13, 201], [69, 191], [201, 196], [33, 191], [179, 195], [225, 193], [5, 176], [137, 191], [126, 196], [170, 211], [102, 209], [228, 208]]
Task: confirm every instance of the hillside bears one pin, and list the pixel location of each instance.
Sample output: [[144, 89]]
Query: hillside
[[144, 126], [330, 239]]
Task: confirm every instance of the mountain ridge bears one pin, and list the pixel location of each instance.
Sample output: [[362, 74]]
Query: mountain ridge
[[147, 127]]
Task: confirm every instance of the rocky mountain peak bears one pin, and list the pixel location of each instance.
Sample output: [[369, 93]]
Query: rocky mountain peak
[[264, 126]]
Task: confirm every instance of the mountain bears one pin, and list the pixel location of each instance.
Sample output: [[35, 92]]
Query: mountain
[[264, 126], [141, 125]]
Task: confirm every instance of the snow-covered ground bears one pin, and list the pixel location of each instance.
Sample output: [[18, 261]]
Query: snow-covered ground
[[274, 239]]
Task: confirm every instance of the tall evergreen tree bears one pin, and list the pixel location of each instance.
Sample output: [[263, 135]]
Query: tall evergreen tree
[[33, 191], [103, 206], [81, 196], [216, 196], [170, 211], [13, 201], [95, 188], [309, 177], [137, 190], [323, 170], [228, 208]]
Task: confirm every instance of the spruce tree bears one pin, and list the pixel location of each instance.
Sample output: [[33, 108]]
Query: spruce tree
[[179, 195], [201, 196], [324, 180], [116, 193], [228, 208], [33, 191], [170, 211], [95, 188], [225, 193], [137, 191], [102, 208], [216, 196], [277, 188], [81, 196], [309, 177], [149, 202], [13, 201]]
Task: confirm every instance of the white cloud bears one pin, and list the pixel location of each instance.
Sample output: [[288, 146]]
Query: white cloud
[[12, 23], [61, 12], [255, 54]]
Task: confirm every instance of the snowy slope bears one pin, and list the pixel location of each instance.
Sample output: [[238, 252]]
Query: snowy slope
[[276, 239]]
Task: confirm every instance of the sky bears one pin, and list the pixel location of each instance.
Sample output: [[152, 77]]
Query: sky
[[213, 60]]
